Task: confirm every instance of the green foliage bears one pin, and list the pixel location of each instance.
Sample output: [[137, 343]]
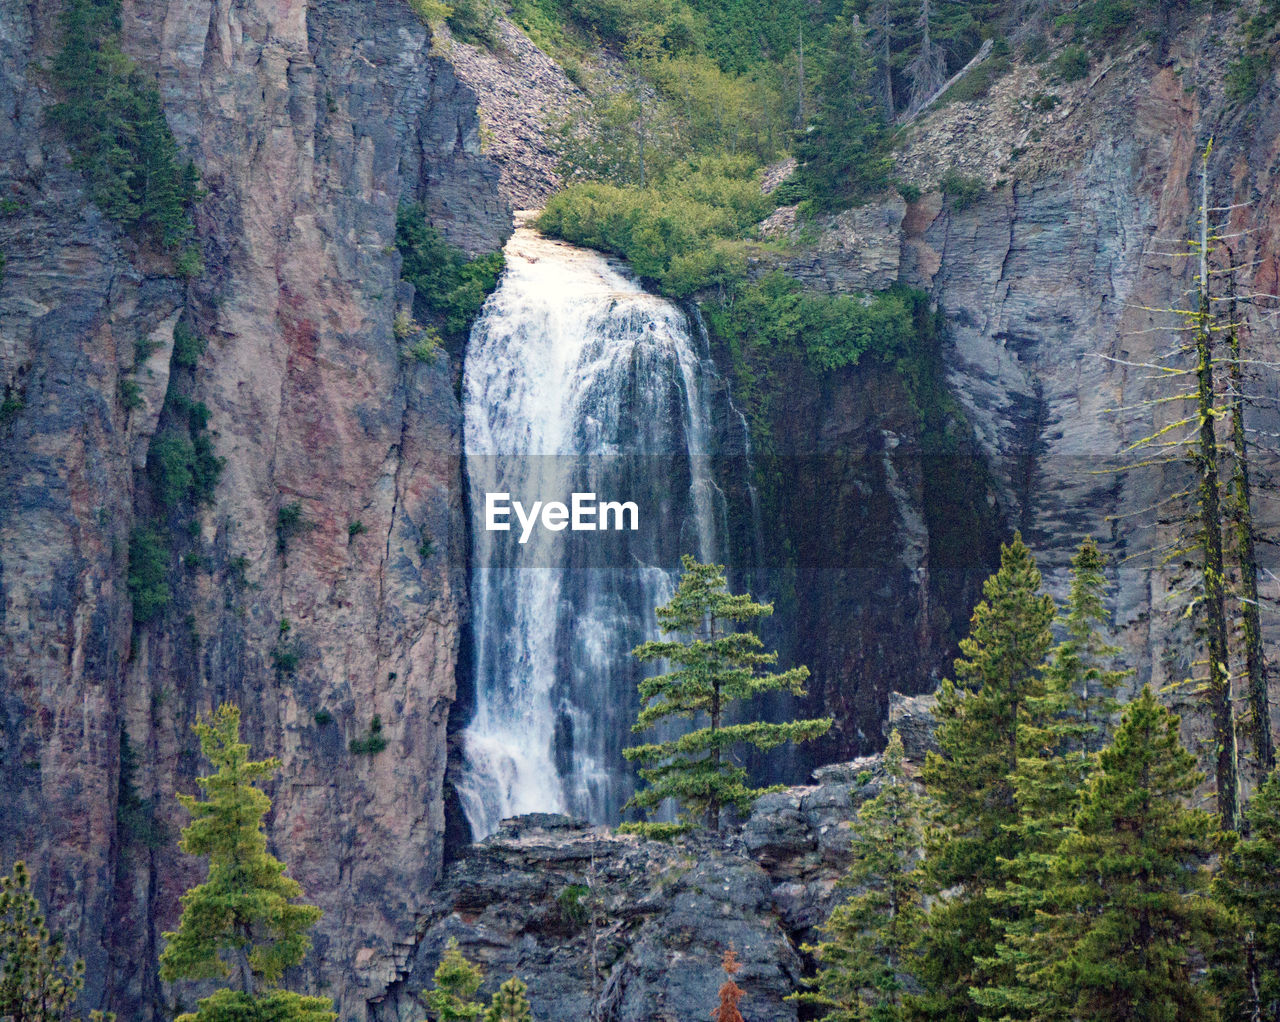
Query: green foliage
[[285, 657], [713, 669], [371, 742], [450, 288], [510, 1003], [1127, 914], [431, 12], [12, 404], [833, 331], [475, 21], [130, 395], [573, 910], [977, 83], [426, 546], [148, 573], [869, 937], [844, 154], [181, 461], [1071, 64], [962, 189], [1056, 732], [188, 346], [678, 235], [112, 116], [1248, 884], [37, 984], [242, 923], [972, 779], [457, 981], [290, 522], [356, 528], [322, 717]]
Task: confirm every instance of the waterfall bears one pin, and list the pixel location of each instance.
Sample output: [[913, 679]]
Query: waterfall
[[575, 380]]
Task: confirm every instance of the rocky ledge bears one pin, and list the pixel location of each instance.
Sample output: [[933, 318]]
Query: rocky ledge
[[615, 928]]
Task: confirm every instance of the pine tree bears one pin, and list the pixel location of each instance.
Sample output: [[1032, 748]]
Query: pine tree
[[1249, 885], [972, 781], [36, 983], [844, 153], [1056, 732], [730, 993], [241, 923], [869, 936], [510, 1003], [1127, 913], [713, 669], [457, 981]]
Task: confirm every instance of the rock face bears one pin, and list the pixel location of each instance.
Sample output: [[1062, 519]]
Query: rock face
[[1046, 281], [619, 929], [310, 123]]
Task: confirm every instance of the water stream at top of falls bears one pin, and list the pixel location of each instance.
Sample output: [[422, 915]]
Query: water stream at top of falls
[[575, 380]]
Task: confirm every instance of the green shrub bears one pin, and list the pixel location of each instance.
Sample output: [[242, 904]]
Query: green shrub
[[962, 189], [430, 12], [285, 657], [130, 395], [188, 346], [1043, 102], [290, 522], [148, 573], [977, 83], [832, 331], [573, 909], [112, 117], [450, 288], [426, 547], [1071, 64], [356, 528], [909, 192], [12, 404], [677, 235], [323, 718], [182, 463], [371, 742], [475, 21]]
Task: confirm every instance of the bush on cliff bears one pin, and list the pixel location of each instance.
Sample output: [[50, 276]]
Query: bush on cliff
[[113, 119], [450, 288], [678, 234]]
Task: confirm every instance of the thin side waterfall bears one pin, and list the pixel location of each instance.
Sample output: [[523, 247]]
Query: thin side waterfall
[[576, 380]]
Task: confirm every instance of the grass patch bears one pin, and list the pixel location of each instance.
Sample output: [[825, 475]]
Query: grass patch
[[963, 190]]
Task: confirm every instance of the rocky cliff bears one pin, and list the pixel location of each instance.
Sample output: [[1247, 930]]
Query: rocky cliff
[[619, 929], [309, 123], [1049, 280]]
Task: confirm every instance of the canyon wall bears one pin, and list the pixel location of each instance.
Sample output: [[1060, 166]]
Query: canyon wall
[[309, 123]]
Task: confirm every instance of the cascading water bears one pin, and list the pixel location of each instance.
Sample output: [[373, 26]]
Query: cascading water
[[576, 380]]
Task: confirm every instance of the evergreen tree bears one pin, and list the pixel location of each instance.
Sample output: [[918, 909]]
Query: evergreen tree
[[457, 981], [869, 936], [1056, 732], [1249, 885], [972, 781], [1127, 912], [241, 923], [510, 1003], [730, 993], [844, 153], [36, 983], [713, 669]]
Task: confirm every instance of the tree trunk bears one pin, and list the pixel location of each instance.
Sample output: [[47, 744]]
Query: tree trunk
[[1219, 688], [1242, 513]]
